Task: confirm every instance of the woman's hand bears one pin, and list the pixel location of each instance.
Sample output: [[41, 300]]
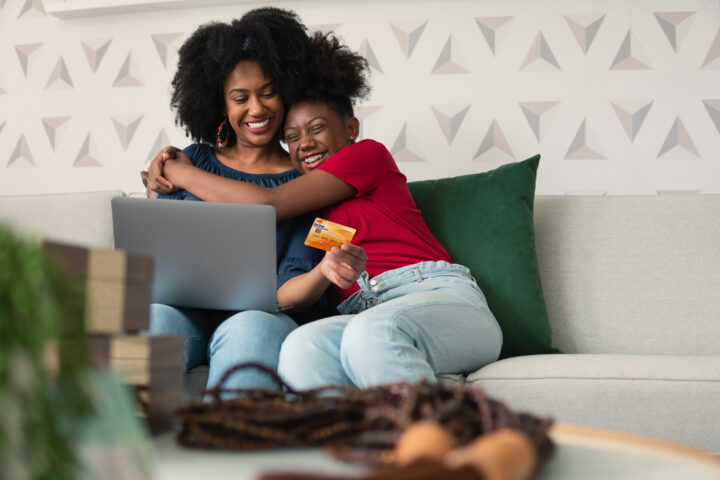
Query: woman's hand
[[174, 166], [343, 265], [144, 179], [156, 181]]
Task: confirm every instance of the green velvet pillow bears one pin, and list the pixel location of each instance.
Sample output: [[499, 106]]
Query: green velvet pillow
[[485, 221]]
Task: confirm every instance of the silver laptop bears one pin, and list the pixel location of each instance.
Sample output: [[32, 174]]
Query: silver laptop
[[207, 254]]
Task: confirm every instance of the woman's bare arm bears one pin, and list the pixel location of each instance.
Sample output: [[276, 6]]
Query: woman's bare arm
[[308, 192], [155, 180], [303, 291], [341, 266]]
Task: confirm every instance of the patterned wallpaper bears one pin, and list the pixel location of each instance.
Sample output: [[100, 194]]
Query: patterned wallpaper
[[619, 96]]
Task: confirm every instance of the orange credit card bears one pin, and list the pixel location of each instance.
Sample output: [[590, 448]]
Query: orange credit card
[[325, 234]]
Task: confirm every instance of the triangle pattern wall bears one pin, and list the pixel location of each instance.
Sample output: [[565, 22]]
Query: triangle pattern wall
[[619, 96]]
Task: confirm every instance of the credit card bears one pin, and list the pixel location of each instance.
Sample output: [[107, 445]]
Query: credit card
[[325, 234]]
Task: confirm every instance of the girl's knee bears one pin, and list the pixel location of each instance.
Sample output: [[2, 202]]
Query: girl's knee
[[309, 358], [295, 358], [297, 348], [362, 338], [365, 331], [294, 343], [307, 341]]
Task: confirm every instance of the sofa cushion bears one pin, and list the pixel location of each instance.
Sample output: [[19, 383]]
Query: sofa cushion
[[485, 221], [631, 274], [78, 218], [673, 397]]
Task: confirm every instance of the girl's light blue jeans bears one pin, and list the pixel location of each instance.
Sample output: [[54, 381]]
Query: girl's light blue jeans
[[224, 339], [407, 324]]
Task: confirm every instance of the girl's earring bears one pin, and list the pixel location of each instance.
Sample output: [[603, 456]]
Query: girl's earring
[[222, 134]]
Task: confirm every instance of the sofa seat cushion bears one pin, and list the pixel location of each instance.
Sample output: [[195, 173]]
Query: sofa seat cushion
[[666, 396]]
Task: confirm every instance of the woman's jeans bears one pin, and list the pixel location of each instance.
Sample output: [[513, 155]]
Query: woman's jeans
[[407, 324], [224, 339]]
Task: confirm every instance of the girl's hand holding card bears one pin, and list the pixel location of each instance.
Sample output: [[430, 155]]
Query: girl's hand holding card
[[343, 265]]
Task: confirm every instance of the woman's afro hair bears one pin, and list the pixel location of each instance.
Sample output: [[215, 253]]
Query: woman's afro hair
[[273, 37], [335, 75]]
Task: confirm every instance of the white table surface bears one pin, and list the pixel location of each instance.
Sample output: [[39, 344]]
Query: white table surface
[[174, 462], [580, 454]]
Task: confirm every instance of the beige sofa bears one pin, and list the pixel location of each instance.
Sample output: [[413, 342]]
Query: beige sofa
[[632, 289]]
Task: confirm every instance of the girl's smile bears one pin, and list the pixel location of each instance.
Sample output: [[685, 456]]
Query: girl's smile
[[313, 160], [314, 131]]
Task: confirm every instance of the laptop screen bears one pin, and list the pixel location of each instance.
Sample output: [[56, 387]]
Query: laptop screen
[[207, 254]]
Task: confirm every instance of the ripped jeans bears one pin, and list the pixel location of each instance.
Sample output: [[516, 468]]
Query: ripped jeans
[[407, 324]]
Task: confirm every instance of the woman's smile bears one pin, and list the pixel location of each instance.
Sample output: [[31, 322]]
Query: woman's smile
[[258, 127], [252, 104]]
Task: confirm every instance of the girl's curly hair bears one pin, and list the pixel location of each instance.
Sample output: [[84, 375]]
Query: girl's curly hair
[[273, 37], [335, 75]]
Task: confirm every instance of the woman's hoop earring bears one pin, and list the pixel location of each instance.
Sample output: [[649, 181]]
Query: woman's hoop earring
[[222, 134]]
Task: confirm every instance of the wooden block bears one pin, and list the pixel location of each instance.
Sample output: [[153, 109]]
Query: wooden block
[[163, 351], [116, 308], [153, 365], [165, 396], [138, 357], [118, 286], [101, 263], [99, 347]]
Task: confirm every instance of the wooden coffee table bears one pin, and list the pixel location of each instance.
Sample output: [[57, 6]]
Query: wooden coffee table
[[581, 453]]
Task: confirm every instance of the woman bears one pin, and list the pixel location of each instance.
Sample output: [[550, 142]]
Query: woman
[[229, 92], [419, 315]]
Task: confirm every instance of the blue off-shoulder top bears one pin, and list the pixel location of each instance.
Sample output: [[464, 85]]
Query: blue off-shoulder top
[[293, 256]]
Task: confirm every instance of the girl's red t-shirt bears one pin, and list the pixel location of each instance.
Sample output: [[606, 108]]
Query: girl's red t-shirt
[[388, 224]]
